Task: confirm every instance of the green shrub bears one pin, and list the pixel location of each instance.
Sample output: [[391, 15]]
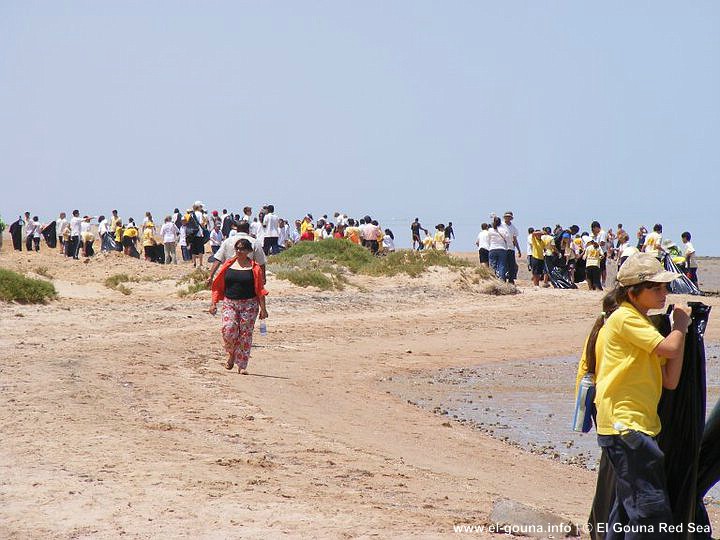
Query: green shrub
[[116, 281], [43, 271], [307, 278], [15, 287], [358, 260], [196, 280]]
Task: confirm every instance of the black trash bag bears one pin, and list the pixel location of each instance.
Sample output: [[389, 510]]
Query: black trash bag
[[134, 252], [15, 231], [681, 285], [580, 274], [49, 232], [108, 243], [560, 277], [682, 414], [158, 254]]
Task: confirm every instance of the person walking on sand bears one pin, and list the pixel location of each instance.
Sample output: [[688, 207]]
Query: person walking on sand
[[511, 234], [239, 284], [635, 363], [415, 229], [497, 250], [170, 234]]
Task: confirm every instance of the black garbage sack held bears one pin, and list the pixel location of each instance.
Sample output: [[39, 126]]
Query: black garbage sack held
[[683, 438], [49, 232], [108, 243], [580, 274], [681, 285], [560, 277]]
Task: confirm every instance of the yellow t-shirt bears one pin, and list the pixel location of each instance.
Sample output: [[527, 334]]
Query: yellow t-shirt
[[148, 237], [131, 232], [428, 242], [629, 378], [439, 240], [119, 234], [593, 256], [548, 244], [304, 226], [652, 241], [538, 247]]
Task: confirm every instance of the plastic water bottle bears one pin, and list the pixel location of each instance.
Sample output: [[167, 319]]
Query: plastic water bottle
[[263, 328], [582, 420]]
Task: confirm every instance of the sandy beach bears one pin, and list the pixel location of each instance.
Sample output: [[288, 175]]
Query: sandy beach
[[119, 420]]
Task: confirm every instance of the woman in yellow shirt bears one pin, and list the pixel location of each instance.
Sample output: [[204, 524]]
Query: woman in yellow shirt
[[148, 240], [636, 363]]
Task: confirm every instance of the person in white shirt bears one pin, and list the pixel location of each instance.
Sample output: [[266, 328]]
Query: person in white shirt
[[511, 233], [653, 242], [169, 233], [31, 228], [284, 236], [216, 237], [247, 214], [483, 245], [388, 241], [498, 247], [601, 239], [227, 250], [75, 224], [270, 231], [62, 226], [528, 245], [182, 241], [691, 265]]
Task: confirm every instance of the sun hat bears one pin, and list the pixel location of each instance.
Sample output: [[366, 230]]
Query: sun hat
[[508, 214], [199, 203], [641, 267]]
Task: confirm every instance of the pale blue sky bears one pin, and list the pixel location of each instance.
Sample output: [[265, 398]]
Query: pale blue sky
[[564, 112]]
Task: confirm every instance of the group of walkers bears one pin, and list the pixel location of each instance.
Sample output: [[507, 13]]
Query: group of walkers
[[581, 256], [191, 231], [440, 240]]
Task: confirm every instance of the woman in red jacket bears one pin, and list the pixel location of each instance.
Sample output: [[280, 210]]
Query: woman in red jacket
[[240, 285]]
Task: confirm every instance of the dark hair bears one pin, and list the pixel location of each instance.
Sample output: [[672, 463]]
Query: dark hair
[[270, 208], [101, 218], [244, 243], [686, 235], [243, 226], [496, 222], [247, 209], [75, 212], [389, 233], [657, 227], [595, 224]]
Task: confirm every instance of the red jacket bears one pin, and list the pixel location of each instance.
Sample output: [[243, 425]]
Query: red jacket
[[218, 284]]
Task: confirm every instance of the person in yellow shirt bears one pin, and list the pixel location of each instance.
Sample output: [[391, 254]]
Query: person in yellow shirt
[[635, 362], [439, 237], [148, 240], [537, 261], [130, 236], [592, 256]]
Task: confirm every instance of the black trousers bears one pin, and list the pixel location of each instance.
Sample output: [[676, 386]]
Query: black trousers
[[72, 247], [28, 243], [270, 245], [511, 266]]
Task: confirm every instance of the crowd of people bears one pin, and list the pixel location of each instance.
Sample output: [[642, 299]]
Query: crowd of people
[[191, 231], [581, 256]]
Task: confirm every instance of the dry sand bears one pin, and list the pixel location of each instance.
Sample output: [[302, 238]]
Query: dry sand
[[118, 418]]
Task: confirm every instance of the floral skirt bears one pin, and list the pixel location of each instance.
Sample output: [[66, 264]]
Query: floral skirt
[[238, 321]]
